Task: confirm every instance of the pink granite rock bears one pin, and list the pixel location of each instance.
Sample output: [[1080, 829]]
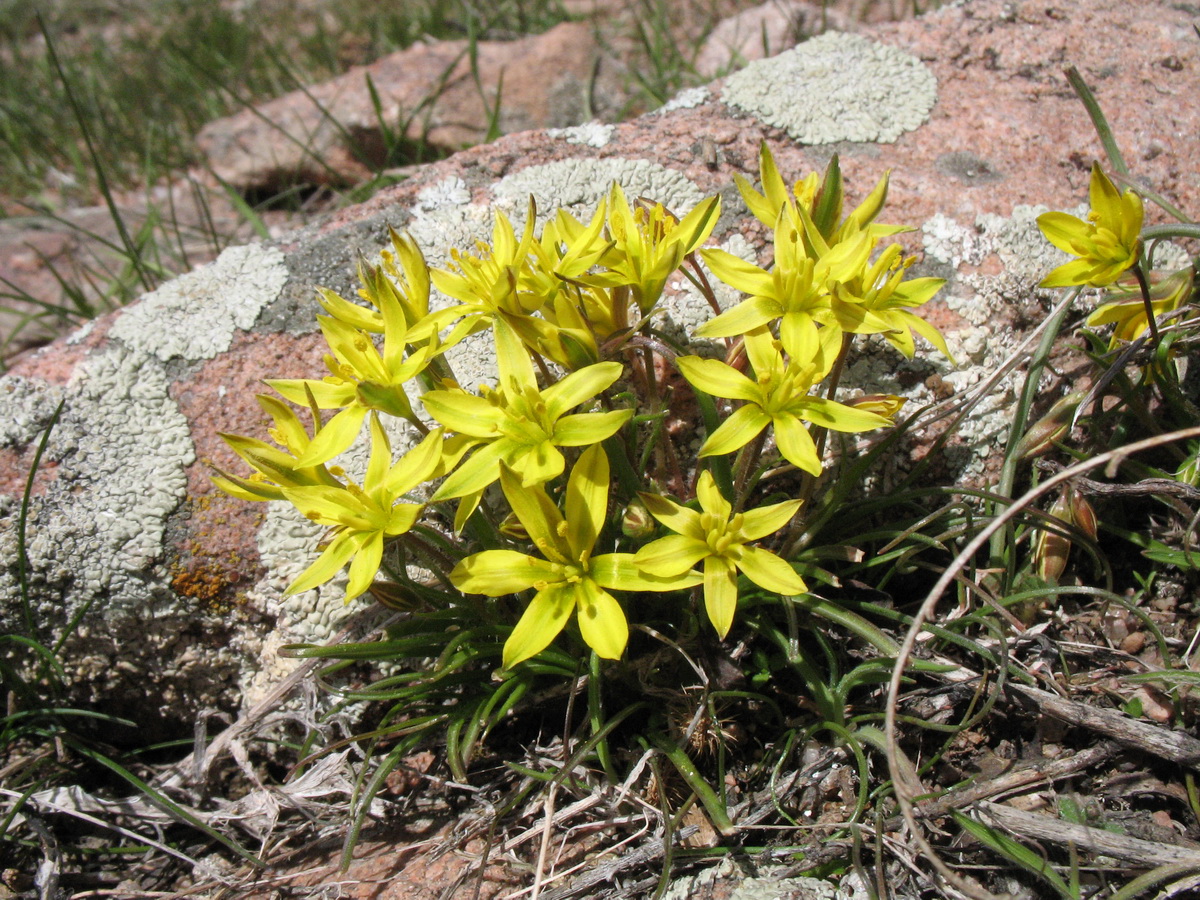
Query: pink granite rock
[[429, 94], [181, 589], [765, 30]]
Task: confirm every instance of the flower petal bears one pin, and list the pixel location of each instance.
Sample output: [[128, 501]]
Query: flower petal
[[365, 565], [746, 316], [720, 593], [758, 523], [582, 429], [736, 431], [335, 437], [329, 563], [499, 572], [736, 272], [670, 555], [714, 377], [587, 500], [796, 444], [710, 497], [839, 416], [476, 473], [576, 387], [537, 512], [601, 620], [769, 571], [678, 518], [543, 619], [1063, 230], [463, 413]]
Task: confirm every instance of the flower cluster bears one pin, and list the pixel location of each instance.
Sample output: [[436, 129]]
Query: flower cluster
[[583, 420]]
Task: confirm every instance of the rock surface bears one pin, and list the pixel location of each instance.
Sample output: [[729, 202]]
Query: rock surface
[[179, 589], [335, 133]]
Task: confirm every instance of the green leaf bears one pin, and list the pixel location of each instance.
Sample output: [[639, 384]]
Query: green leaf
[[1014, 852]]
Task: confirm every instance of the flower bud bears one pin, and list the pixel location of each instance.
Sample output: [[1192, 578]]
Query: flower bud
[[886, 405], [636, 521], [1081, 513], [1051, 548], [512, 527], [1046, 430]]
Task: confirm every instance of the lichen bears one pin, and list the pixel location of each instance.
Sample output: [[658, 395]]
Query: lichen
[[448, 192], [688, 98], [589, 134], [121, 446], [579, 184], [29, 407], [836, 87], [196, 315]]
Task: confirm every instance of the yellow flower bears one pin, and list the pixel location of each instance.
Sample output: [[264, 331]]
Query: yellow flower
[[778, 396], [1105, 246], [1128, 312], [360, 379], [566, 576], [406, 285], [275, 469], [363, 518], [719, 538], [883, 294], [649, 245], [798, 290], [486, 285], [822, 200], [520, 424]]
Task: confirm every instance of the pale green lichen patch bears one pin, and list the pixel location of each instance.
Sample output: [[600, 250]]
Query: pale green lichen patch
[[196, 315], [688, 98], [836, 87], [28, 408], [580, 184], [95, 537], [589, 134]]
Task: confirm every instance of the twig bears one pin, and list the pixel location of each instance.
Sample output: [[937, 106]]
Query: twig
[[1174, 746], [649, 852], [1138, 489], [1017, 779], [1095, 840]]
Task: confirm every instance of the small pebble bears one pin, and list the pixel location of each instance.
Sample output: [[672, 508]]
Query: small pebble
[[1133, 643]]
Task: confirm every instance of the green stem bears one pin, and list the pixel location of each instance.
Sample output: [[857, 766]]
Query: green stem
[[1008, 472], [1145, 288], [596, 718], [1159, 232]]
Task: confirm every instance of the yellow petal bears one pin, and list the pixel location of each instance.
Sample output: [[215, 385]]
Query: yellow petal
[[714, 377], [736, 431], [601, 620], [769, 571], [720, 593], [499, 572], [543, 619], [670, 555], [587, 500]]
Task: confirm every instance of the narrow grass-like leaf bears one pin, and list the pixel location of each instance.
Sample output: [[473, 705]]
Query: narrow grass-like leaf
[[1014, 852]]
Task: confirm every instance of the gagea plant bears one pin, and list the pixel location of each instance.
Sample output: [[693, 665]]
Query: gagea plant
[[603, 511]]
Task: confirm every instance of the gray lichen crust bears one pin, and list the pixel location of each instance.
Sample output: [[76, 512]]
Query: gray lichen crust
[[195, 315], [836, 87], [579, 184], [96, 535]]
